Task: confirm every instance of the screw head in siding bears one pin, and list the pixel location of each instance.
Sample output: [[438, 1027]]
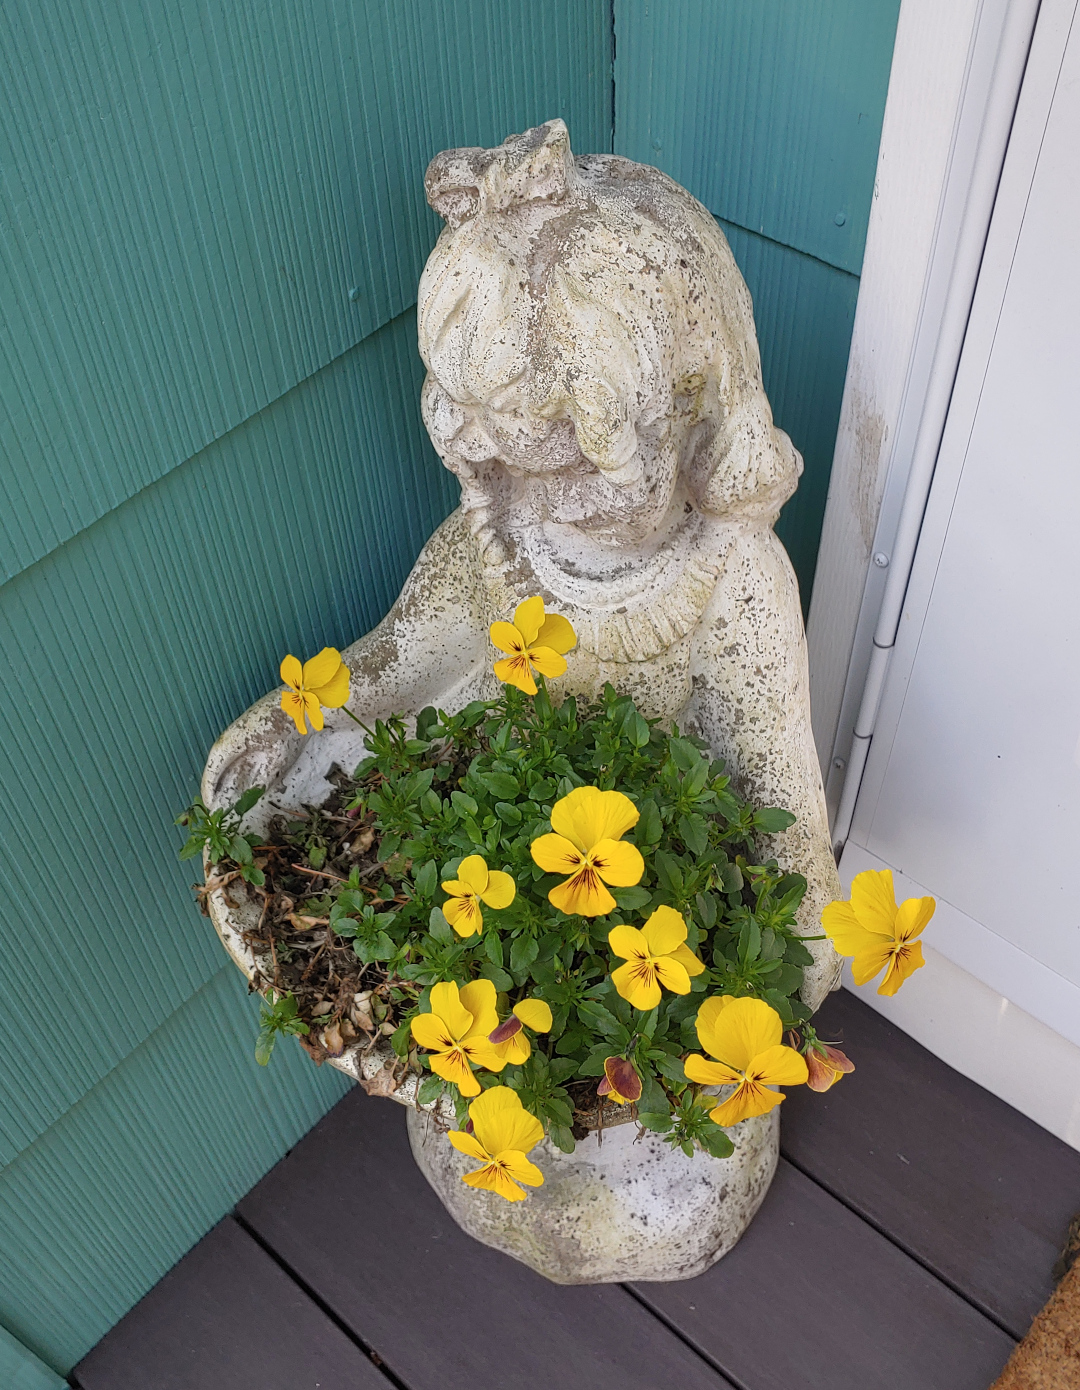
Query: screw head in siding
[[354, 293], [839, 764], [840, 218], [881, 560]]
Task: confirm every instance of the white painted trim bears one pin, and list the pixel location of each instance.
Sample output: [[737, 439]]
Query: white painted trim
[[940, 86]]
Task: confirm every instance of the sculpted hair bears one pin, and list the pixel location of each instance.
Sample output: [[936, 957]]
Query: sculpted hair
[[597, 290]]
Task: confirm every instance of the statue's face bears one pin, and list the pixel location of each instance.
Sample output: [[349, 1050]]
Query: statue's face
[[548, 477]]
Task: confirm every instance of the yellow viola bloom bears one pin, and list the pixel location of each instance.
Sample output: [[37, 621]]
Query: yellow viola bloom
[[534, 641], [456, 1032], [586, 843], [510, 1040], [322, 681], [876, 933], [656, 955], [744, 1037], [503, 1133], [475, 884]]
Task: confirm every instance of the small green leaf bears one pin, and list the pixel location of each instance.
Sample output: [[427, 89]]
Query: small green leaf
[[523, 952], [672, 1068], [464, 803], [430, 1089], [439, 927], [499, 784], [401, 1037], [248, 800], [426, 878], [630, 899], [715, 1142], [498, 977], [657, 1120], [772, 820], [694, 832], [240, 850], [562, 1137], [264, 1045]]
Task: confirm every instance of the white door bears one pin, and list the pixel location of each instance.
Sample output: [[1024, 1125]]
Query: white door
[[972, 789]]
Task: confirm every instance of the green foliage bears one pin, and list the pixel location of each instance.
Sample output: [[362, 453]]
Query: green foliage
[[484, 781], [218, 833], [278, 1019]]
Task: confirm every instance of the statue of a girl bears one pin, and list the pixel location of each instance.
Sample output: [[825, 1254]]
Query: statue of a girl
[[595, 384]]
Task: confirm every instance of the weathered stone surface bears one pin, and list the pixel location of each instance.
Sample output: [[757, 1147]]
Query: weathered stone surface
[[594, 383], [618, 1208]]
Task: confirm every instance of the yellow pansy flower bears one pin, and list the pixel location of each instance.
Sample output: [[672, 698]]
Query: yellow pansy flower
[[656, 955], [744, 1037], [475, 884], [875, 932], [322, 681], [503, 1133], [456, 1032], [510, 1040], [586, 843], [533, 642]]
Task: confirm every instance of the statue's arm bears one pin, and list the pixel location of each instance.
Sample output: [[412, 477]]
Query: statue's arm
[[431, 648], [751, 701]]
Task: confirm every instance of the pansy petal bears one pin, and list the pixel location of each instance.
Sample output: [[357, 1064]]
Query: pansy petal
[[535, 1014], [707, 1073], [618, 862], [555, 854], [529, 618], [502, 1122], [515, 1050], [556, 633], [336, 690], [912, 917], [873, 900], [515, 671], [743, 1030], [583, 894], [687, 959], [747, 1101], [474, 872], [321, 668], [446, 1004], [464, 915], [293, 705], [547, 662], [664, 930], [706, 1019], [871, 961], [431, 1031], [493, 1178], [845, 931], [904, 963], [778, 1066], [588, 815], [501, 889], [520, 1168], [313, 710], [292, 673], [637, 986], [468, 1144], [506, 637], [672, 975], [480, 1050], [628, 942], [453, 1067], [478, 996]]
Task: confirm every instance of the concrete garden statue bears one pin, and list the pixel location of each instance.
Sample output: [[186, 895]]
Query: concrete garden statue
[[553, 858]]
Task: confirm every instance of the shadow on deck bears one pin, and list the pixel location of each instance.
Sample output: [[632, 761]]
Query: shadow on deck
[[906, 1243]]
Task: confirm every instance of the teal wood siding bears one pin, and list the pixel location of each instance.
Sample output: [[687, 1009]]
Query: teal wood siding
[[769, 112], [212, 224]]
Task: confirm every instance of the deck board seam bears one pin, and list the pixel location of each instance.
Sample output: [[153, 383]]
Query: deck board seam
[[726, 1376], [970, 1299], [316, 1298]]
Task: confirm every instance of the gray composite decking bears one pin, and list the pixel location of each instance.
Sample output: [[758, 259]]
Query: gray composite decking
[[906, 1242]]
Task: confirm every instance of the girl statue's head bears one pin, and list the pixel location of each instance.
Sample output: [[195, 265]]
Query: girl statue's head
[[590, 345]]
